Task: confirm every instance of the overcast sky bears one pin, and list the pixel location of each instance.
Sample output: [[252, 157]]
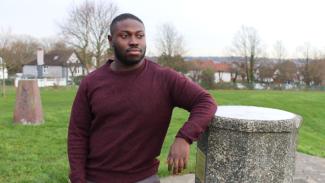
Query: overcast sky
[[208, 26]]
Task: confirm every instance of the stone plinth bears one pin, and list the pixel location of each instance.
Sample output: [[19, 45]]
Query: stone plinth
[[248, 144], [28, 109]]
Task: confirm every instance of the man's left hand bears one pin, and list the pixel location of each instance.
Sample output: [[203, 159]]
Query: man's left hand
[[178, 156]]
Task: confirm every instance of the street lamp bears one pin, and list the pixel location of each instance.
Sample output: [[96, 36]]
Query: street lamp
[[3, 66]]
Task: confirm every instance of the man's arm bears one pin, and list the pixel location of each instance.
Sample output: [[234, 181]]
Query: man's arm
[[202, 107], [78, 134]]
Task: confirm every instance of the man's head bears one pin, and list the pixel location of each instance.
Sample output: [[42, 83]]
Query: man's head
[[128, 39]]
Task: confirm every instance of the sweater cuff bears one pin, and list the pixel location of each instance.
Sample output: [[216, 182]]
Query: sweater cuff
[[180, 135], [77, 178]]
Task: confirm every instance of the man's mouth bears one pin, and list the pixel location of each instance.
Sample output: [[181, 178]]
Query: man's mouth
[[134, 51]]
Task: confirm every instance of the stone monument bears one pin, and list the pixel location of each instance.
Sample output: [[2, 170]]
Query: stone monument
[[28, 109], [248, 144]]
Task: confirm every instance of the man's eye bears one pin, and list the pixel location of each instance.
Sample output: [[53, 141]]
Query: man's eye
[[140, 36], [124, 36]]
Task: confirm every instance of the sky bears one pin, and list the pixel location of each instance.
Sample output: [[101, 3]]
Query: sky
[[207, 26]]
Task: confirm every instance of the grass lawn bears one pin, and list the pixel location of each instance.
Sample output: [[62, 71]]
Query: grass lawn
[[38, 153]]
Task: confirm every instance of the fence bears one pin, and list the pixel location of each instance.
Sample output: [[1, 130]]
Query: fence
[[265, 86], [46, 82]]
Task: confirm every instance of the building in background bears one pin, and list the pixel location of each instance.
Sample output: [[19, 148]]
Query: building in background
[[58, 67], [3, 70]]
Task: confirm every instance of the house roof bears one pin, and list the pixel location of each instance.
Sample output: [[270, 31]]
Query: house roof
[[217, 67], [54, 58]]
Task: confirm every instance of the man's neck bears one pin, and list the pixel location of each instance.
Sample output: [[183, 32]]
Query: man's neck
[[116, 65]]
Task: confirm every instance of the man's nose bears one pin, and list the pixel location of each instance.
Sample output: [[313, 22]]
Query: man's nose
[[133, 40]]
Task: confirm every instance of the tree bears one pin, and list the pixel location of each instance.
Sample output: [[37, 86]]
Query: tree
[[176, 62], [317, 71], [207, 79], [17, 50], [195, 69], [266, 70], [279, 51], [238, 68], [54, 43], [247, 44], [87, 29], [170, 42], [5, 38], [305, 52], [171, 48], [286, 72]]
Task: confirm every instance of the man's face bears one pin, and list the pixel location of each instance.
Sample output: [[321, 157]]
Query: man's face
[[128, 41]]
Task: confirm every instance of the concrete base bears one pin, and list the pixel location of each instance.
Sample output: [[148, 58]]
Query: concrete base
[[248, 144], [309, 169]]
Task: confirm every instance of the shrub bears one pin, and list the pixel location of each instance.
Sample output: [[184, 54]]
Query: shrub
[[207, 79], [77, 79], [9, 82]]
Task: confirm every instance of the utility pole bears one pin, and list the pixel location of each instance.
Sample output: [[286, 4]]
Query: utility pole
[[3, 66]]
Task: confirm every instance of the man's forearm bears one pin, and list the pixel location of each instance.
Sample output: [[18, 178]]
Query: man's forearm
[[200, 117]]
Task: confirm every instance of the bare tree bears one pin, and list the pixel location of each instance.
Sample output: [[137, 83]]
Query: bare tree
[[17, 50], [195, 71], [239, 69], [101, 20], [317, 69], [5, 38], [170, 45], [87, 29], [305, 52], [170, 42], [286, 72], [279, 51], [266, 70], [76, 31], [247, 44], [54, 43]]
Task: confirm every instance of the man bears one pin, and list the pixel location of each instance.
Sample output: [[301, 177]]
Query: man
[[122, 111]]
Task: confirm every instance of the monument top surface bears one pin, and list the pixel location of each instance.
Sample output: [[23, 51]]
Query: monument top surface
[[253, 113], [255, 119]]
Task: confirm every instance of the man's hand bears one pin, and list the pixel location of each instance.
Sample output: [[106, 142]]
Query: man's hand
[[178, 156]]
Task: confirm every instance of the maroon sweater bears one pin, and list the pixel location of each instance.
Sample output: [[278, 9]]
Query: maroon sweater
[[119, 121]]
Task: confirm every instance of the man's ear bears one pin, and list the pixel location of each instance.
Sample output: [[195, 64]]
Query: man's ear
[[110, 40]]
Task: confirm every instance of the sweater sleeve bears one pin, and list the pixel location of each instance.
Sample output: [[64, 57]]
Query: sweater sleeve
[[202, 107], [78, 135]]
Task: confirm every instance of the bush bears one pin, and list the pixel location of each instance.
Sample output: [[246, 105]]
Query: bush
[[207, 79], [77, 79], [9, 82]]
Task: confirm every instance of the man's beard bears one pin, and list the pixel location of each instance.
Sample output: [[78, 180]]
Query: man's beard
[[126, 60]]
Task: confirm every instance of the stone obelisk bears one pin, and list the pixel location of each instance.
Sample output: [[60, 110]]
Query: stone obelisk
[[28, 109]]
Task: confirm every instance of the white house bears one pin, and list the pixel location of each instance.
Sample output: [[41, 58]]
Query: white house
[[57, 67], [222, 71], [3, 72]]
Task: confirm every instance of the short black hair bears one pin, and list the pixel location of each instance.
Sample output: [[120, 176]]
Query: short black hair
[[122, 17]]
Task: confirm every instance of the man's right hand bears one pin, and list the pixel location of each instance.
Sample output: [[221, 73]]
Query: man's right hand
[[178, 156]]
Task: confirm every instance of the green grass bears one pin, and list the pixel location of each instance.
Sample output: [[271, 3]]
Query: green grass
[[38, 153]]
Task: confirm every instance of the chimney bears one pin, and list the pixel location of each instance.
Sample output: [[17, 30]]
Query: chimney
[[40, 56]]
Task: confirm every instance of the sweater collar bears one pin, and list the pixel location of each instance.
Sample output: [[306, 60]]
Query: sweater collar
[[140, 68]]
